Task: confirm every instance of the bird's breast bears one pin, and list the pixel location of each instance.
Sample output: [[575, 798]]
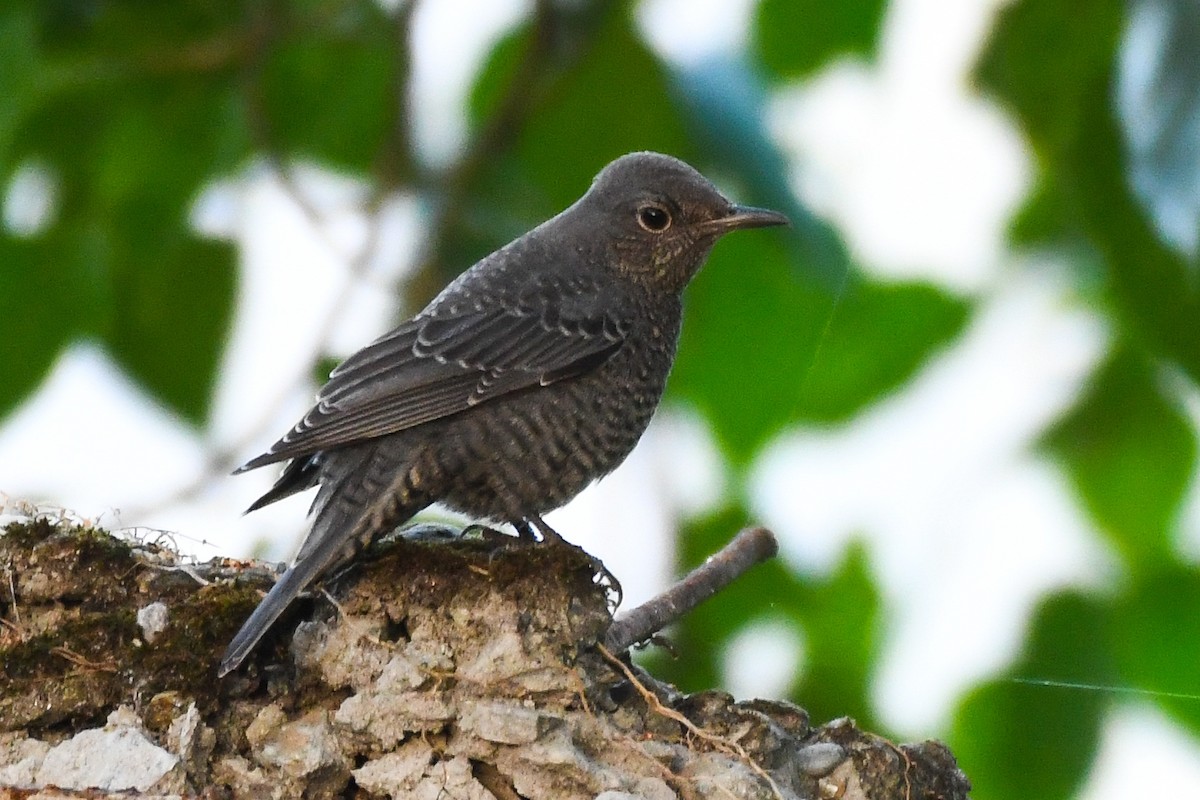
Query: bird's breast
[[533, 451]]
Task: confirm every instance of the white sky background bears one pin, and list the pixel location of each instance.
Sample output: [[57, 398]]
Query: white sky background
[[966, 527]]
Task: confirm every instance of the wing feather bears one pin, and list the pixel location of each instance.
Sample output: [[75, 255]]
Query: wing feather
[[435, 365]]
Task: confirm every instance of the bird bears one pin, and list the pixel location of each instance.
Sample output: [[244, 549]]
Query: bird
[[531, 375]]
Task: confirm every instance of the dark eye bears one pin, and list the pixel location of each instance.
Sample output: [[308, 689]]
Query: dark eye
[[655, 219]]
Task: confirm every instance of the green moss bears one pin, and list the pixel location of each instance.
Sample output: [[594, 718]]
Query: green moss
[[73, 672], [97, 639], [184, 656], [96, 547], [92, 655], [27, 534]]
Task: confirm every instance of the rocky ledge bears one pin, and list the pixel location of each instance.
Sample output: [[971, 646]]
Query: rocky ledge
[[439, 666]]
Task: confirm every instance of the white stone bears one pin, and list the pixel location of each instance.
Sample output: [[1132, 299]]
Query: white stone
[[395, 773], [20, 759], [112, 759], [152, 619], [299, 748]]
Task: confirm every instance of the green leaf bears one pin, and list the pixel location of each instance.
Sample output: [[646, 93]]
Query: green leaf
[[331, 89], [876, 337], [1155, 643], [172, 302], [794, 38], [1051, 65], [557, 92], [131, 120], [749, 335], [563, 94], [1054, 68], [127, 177], [1020, 740], [1046, 219], [586, 121], [49, 294], [726, 108], [487, 99], [160, 145], [156, 34], [841, 619], [762, 349], [18, 70], [1130, 454]]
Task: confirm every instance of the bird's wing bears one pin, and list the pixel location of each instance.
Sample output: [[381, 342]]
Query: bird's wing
[[442, 363]]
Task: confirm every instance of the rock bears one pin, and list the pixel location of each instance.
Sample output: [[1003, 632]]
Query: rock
[[448, 667], [115, 757]]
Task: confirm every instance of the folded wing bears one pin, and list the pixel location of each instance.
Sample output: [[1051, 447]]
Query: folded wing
[[440, 364]]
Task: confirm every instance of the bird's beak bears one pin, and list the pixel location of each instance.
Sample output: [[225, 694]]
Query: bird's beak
[[740, 217]]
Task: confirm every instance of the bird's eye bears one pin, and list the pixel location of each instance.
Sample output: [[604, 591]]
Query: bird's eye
[[655, 219]]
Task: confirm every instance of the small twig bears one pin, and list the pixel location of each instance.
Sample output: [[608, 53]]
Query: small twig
[[190, 571], [720, 742], [748, 548], [359, 626], [83, 662], [581, 691], [908, 764], [12, 592], [18, 630]]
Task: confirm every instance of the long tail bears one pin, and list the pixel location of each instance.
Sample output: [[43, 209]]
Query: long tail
[[363, 495], [294, 581]]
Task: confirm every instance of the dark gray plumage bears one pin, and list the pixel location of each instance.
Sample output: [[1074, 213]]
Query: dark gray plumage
[[531, 375]]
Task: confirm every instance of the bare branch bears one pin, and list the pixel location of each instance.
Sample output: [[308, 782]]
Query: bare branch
[[748, 548]]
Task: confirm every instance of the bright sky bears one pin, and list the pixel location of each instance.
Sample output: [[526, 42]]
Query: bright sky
[[967, 527]]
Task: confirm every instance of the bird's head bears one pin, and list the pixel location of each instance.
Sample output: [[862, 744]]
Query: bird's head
[[661, 217]]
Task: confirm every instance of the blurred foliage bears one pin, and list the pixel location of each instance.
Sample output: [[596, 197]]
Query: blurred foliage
[[1127, 446], [131, 108], [1131, 455], [795, 38], [121, 110], [1154, 640], [1055, 68], [1018, 739]]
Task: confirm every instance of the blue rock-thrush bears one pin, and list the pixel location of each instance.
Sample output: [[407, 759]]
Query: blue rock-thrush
[[531, 375]]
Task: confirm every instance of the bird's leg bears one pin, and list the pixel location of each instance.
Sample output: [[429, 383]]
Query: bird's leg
[[548, 534], [525, 530]]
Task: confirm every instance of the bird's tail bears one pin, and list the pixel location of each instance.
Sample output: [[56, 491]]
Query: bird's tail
[[294, 581], [355, 505]]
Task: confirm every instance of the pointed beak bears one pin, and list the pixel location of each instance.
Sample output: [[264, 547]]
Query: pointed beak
[[740, 217]]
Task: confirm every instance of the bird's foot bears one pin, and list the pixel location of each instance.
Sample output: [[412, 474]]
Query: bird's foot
[[535, 525], [491, 535], [607, 581]]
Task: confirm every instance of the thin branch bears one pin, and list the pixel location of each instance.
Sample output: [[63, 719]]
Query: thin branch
[[748, 548]]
